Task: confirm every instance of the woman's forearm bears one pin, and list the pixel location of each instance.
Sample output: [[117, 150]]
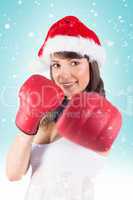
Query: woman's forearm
[[18, 156]]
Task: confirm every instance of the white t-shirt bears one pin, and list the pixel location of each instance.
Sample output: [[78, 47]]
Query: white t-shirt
[[63, 170]]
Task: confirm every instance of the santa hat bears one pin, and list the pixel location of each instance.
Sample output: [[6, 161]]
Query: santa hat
[[70, 34]]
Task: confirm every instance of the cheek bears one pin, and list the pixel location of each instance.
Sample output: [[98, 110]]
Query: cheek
[[54, 76], [83, 77]]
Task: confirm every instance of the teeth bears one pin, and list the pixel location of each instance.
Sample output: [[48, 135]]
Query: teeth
[[67, 83]]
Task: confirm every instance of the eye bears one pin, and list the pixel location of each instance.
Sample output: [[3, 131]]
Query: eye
[[55, 65], [74, 63]]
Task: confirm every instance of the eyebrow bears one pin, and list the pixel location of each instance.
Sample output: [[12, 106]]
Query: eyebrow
[[65, 59], [54, 60]]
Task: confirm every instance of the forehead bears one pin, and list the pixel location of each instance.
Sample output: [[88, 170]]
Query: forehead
[[65, 55]]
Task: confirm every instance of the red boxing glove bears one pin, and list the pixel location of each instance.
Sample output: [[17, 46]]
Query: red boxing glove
[[91, 121], [38, 95]]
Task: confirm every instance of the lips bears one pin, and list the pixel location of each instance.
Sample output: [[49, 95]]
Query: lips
[[68, 84]]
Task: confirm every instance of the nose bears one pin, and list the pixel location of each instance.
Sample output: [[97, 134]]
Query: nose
[[64, 72]]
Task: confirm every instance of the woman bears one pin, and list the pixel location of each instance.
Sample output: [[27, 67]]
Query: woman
[[62, 166]]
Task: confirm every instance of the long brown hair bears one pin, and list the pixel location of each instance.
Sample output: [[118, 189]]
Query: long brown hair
[[95, 84]]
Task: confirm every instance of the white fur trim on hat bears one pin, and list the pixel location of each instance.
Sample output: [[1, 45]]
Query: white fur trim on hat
[[79, 44], [76, 44]]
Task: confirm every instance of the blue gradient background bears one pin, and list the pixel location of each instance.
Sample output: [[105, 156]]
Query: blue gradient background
[[23, 27]]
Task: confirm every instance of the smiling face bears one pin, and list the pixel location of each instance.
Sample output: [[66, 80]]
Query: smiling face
[[70, 74]]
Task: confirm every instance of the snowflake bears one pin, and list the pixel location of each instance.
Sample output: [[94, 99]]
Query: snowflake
[[37, 3], [130, 35], [92, 11], [4, 15], [13, 58], [93, 3], [117, 30], [123, 139], [95, 14], [122, 21], [119, 17], [131, 25], [109, 43], [125, 5], [14, 75], [19, 2], [3, 120], [51, 5], [7, 26], [109, 21], [31, 34], [51, 15]]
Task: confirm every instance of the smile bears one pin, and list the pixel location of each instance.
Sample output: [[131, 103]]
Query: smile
[[67, 85]]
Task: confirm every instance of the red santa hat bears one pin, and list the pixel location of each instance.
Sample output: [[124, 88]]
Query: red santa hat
[[70, 34]]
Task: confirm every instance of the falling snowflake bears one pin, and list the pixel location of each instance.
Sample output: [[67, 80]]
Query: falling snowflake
[[130, 35], [95, 14], [13, 58], [19, 2], [51, 15], [92, 11], [117, 30], [119, 17], [121, 20], [131, 25], [37, 3], [4, 15], [125, 5], [93, 3], [109, 21], [51, 5], [31, 34], [14, 75], [7, 26], [123, 140], [3, 120], [109, 43]]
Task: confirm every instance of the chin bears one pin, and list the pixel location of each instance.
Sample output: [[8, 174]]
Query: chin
[[69, 96]]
